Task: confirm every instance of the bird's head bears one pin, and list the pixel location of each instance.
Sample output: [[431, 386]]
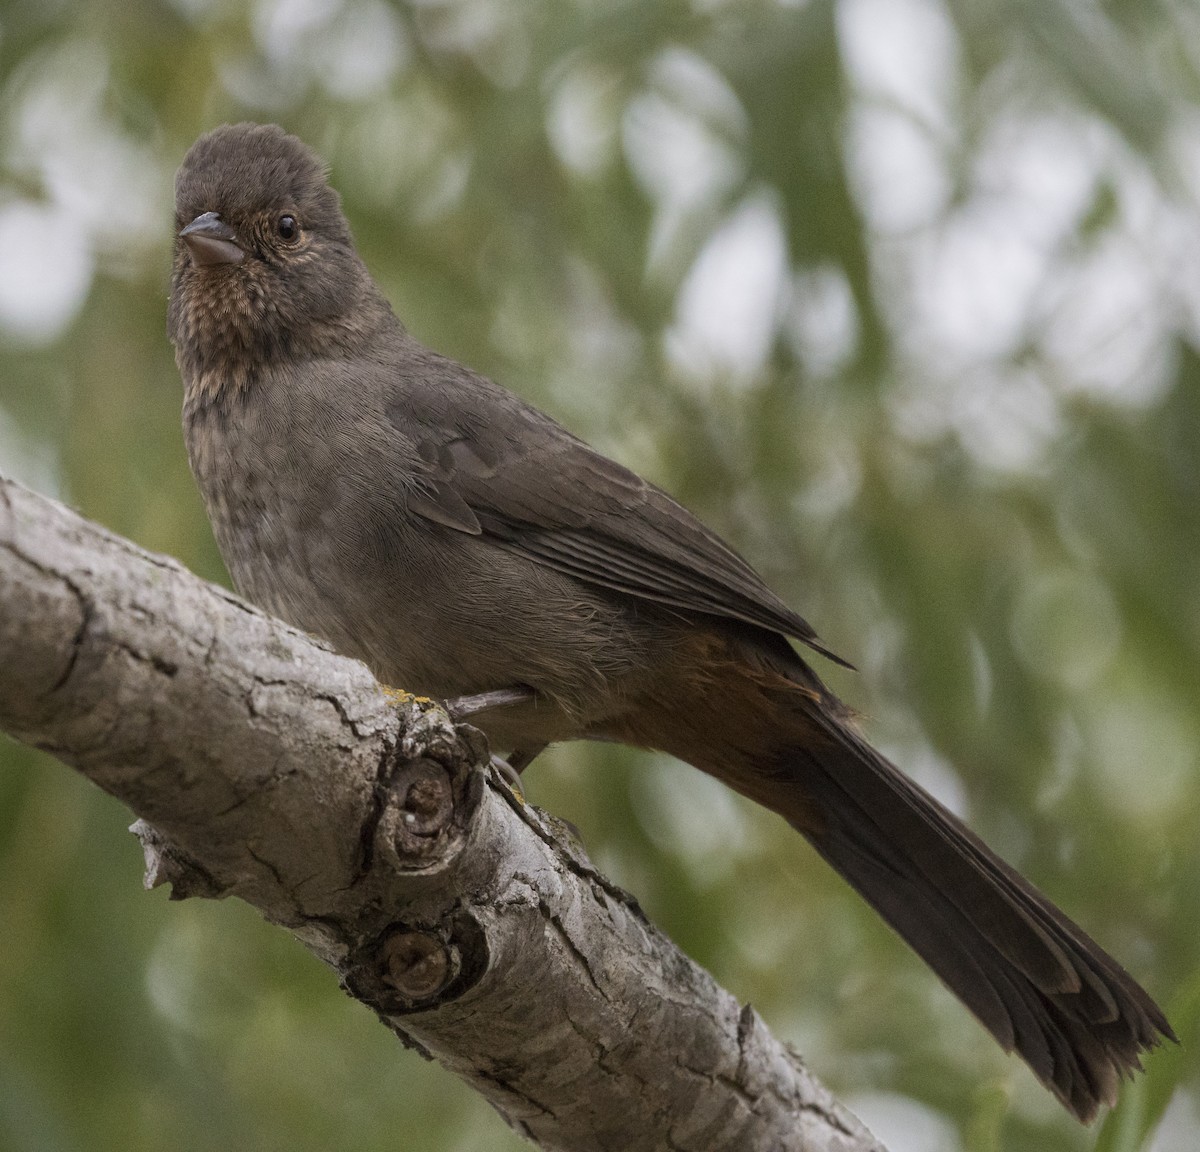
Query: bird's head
[[264, 261]]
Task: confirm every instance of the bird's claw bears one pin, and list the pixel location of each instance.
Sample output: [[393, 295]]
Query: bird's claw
[[509, 775]]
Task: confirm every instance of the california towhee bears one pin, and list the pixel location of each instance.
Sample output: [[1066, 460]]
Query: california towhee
[[430, 522]]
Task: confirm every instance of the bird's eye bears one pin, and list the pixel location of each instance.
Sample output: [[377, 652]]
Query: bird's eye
[[288, 228]]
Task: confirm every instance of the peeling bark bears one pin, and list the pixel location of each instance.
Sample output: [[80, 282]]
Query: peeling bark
[[265, 766]]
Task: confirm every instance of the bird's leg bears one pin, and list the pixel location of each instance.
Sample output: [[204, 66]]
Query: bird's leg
[[520, 758], [463, 706]]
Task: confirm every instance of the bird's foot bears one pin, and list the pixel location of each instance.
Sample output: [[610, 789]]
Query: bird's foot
[[517, 762], [464, 707], [509, 775]]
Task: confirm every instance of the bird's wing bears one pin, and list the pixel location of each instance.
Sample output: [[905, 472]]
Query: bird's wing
[[496, 467]]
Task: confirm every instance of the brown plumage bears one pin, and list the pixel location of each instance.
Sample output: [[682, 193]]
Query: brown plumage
[[430, 522]]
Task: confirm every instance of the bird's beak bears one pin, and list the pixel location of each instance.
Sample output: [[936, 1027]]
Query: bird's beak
[[211, 241]]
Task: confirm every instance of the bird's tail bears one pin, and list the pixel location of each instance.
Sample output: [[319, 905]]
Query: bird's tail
[[1034, 978]]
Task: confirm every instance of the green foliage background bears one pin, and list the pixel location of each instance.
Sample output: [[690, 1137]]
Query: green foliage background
[[900, 295]]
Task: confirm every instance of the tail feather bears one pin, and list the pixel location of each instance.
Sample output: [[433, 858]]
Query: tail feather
[[1034, 978], [747, 710]]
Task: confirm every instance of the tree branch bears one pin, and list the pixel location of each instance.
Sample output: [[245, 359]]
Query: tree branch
[[265, 766]]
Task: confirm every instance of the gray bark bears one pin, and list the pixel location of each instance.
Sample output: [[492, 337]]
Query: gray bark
[[265, 766]]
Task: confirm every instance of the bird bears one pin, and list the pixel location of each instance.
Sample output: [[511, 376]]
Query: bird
[[466, 546]]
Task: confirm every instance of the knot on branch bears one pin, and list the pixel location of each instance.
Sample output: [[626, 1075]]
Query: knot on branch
[[427, 793], [418, 964], [409, 968], [422, 807], [426, 811]]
